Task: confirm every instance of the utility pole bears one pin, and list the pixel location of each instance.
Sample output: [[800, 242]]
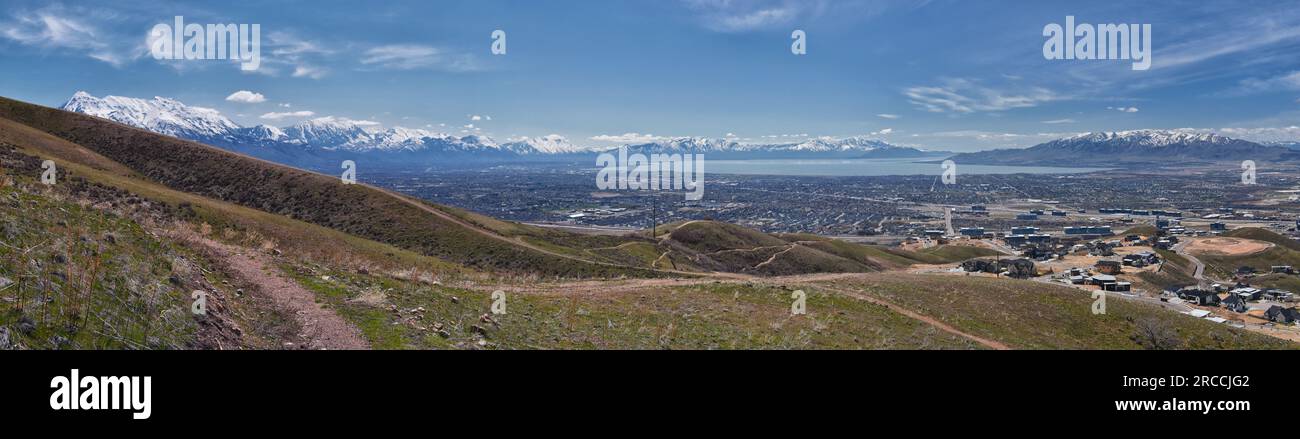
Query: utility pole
[[654, 220]]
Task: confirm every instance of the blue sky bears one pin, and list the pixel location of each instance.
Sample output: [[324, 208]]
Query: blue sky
[[953, 75]]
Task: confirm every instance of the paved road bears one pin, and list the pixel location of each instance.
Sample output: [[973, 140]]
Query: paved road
[[1199, 272], [947, 219]]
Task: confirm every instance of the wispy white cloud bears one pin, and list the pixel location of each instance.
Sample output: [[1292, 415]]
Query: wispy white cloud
[[1221, 46], [747, 15], [286, 115], [736, 16], [888, 116], [84, 31], [967, 96], [1245, 30], [411, 57], [628, 138], [287, 53], [1124, 109], [308, 71], [1058, 121], [1284, 82]]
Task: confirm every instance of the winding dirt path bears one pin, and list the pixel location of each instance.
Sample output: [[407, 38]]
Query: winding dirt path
[[323, 328], [602, 288], [992, 344]]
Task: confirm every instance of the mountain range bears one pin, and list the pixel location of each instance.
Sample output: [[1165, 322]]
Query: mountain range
[[325, 141], [1131, 148], [288, 258]]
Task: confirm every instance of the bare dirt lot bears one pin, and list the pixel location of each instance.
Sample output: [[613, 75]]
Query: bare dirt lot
[[1227, 246]]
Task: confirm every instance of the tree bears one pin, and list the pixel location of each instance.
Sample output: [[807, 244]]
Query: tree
[[1152, 334]]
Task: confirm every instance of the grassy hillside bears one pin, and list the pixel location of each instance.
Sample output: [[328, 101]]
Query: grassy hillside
[[1176, 271], [945, 254], [1286, 252], [730, 315], [313, 198], [395, 314], [715, 246], [1142, 230], [100, 261], [1280, 281], [78, 271], [1033, 315], [1264, 235]]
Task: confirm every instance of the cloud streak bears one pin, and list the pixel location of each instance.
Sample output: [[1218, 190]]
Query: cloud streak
[[412, 57], [81, 31], [966, 96], [286, 115]]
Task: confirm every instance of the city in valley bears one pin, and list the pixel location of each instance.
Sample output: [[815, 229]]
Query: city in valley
[[687, 174], [1198, 241]]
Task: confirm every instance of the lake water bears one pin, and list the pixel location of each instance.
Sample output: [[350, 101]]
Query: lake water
[[868, 167]]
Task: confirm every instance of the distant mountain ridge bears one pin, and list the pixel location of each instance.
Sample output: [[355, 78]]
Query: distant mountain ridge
[[821, 147], [1128, 148], [324, 141]]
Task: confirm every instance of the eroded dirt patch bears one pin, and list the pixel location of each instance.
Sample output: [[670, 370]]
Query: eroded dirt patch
[[1223, 246]]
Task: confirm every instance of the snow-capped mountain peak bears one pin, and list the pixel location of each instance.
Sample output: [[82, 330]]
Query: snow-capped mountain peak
[[548, 144], [857, 143], [160, 115], [1153, 138], [338, 137], [266, 133], [330, 132]]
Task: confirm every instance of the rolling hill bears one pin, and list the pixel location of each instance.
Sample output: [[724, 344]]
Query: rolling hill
[[712, 246], [1285, 252], [358, 210], [109, 257]]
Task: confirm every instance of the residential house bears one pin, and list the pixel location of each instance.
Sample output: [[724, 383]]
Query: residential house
[[1279, 314], [1235, 303], [1199, 297], [1109, 267]]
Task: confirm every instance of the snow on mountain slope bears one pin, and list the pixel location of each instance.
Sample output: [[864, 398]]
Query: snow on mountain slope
[[160, 115], [330, 132], [342, 135], [548, 144], [265, 133], [1130, 147], [845, 144], [1148, 138]]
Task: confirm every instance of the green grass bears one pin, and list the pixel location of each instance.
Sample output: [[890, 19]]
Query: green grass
[[946, 254], [711, 236], [1225, 266], [1288, 282], [215, 174], [1285, 252], [711, 316], [1033, 315], [1142, 230], [1176, 271], [94, 279]]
